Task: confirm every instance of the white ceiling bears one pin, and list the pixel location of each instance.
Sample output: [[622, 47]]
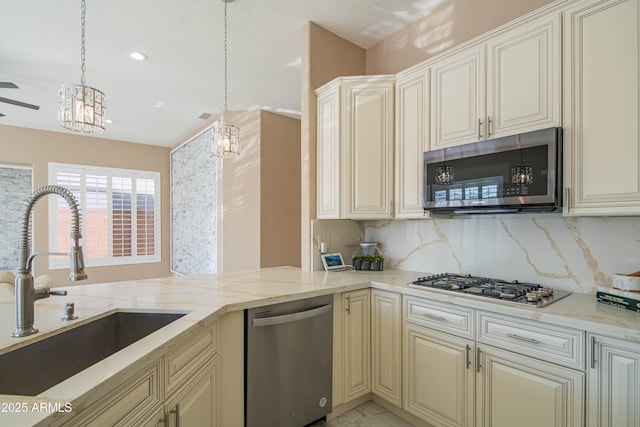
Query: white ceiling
[[158, 101]]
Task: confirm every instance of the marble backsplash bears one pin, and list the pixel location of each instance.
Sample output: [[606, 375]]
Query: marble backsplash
[[574, 254]]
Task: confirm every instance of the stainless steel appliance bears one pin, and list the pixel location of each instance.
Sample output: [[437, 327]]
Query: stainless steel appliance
[[288, 363], [520, 173], [529, 294]]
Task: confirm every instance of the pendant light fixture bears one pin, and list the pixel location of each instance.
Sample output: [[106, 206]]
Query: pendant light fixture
[[226, 137], [82, 108]]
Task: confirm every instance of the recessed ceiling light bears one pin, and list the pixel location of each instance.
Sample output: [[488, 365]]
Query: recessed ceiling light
[[109, 121], [138, 56]]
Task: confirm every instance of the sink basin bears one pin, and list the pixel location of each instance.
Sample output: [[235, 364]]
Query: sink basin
[[37, 367]]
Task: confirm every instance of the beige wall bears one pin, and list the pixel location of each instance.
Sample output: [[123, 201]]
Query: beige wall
[[36, 148], [280, 188], [324, 57], [260, 193], [451, 23], [239, 238]]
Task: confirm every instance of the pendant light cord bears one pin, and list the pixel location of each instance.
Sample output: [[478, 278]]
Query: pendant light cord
[[225, 62], [83, 68]]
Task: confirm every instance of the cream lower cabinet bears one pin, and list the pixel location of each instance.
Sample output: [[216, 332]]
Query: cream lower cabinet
[[356, 344], [355, 148], [438, 377], [192, 405], [601, 108], [438, 370], [613, 382], [515, 390], [386, 345], [502, 372], [179, 388]]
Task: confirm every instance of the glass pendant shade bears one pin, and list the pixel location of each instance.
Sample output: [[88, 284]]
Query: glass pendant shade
[[522, 175], [81, 109], [444, 174], [226, 140]]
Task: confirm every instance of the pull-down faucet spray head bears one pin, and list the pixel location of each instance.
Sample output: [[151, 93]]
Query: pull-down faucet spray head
[[77, 261], [26, 294]]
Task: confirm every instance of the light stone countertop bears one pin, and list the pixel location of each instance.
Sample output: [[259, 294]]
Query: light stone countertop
[[207, 296]]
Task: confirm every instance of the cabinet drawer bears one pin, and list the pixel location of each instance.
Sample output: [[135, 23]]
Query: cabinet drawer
[[555, 344], [127, 404], [189, 355], [440, 316]]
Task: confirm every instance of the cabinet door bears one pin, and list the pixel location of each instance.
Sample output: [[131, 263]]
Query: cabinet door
[[438, 377], [514, 390], [386, 345], [601, 88], [458, 98], [328, 154], [368, 138], [356, 344], [613, 383], [195, 404], [523, 78], [412, 140]]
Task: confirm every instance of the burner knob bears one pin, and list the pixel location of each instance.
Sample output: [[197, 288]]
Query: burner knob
[[533, 296], [547, 292]]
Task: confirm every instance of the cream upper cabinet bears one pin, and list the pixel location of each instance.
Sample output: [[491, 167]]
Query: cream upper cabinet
[[613, 383], [506, 85], [458, 98], [328, 155], [523, 78], [412, 140], [386, 345], [601, 87], [355, 148]]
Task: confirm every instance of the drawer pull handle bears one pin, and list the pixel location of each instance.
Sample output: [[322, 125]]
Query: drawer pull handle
[[518, 337], [434, 317]]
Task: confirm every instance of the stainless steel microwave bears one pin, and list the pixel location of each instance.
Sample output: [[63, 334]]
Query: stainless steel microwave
[[519, 173]]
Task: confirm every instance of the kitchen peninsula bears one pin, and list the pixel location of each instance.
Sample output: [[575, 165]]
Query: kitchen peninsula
[[209, 299]]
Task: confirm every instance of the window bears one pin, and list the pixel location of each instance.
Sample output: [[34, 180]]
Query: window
[[120, 214]]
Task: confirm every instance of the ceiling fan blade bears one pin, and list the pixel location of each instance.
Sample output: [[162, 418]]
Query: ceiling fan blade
[[19, 104], [8, 85], [1, 115]]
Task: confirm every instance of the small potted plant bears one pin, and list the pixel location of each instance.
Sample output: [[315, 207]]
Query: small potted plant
[[366, 262], [356, 261], [377, 263]]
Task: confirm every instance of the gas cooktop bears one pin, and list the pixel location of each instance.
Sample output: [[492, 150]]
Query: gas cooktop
[[530, 294]]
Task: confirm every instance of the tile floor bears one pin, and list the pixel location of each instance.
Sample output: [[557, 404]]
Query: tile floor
[[368, 414]]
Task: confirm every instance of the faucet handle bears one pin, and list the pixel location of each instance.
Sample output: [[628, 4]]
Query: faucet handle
[[58, 293]]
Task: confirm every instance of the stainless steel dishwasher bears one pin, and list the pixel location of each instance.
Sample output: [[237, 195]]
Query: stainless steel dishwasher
[[288, 363]]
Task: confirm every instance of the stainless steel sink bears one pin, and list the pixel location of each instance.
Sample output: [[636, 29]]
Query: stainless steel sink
[[37, 367]]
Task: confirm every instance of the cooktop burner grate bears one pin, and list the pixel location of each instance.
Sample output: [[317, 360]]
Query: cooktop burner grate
[[530, 294]]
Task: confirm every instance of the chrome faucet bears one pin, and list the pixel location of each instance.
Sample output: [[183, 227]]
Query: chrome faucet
[[26, 294]]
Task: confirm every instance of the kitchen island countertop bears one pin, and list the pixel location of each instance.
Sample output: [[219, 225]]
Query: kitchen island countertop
[[205, 297]]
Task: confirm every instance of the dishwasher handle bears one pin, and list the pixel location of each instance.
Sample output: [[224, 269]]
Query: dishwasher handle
[[293, 317]]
